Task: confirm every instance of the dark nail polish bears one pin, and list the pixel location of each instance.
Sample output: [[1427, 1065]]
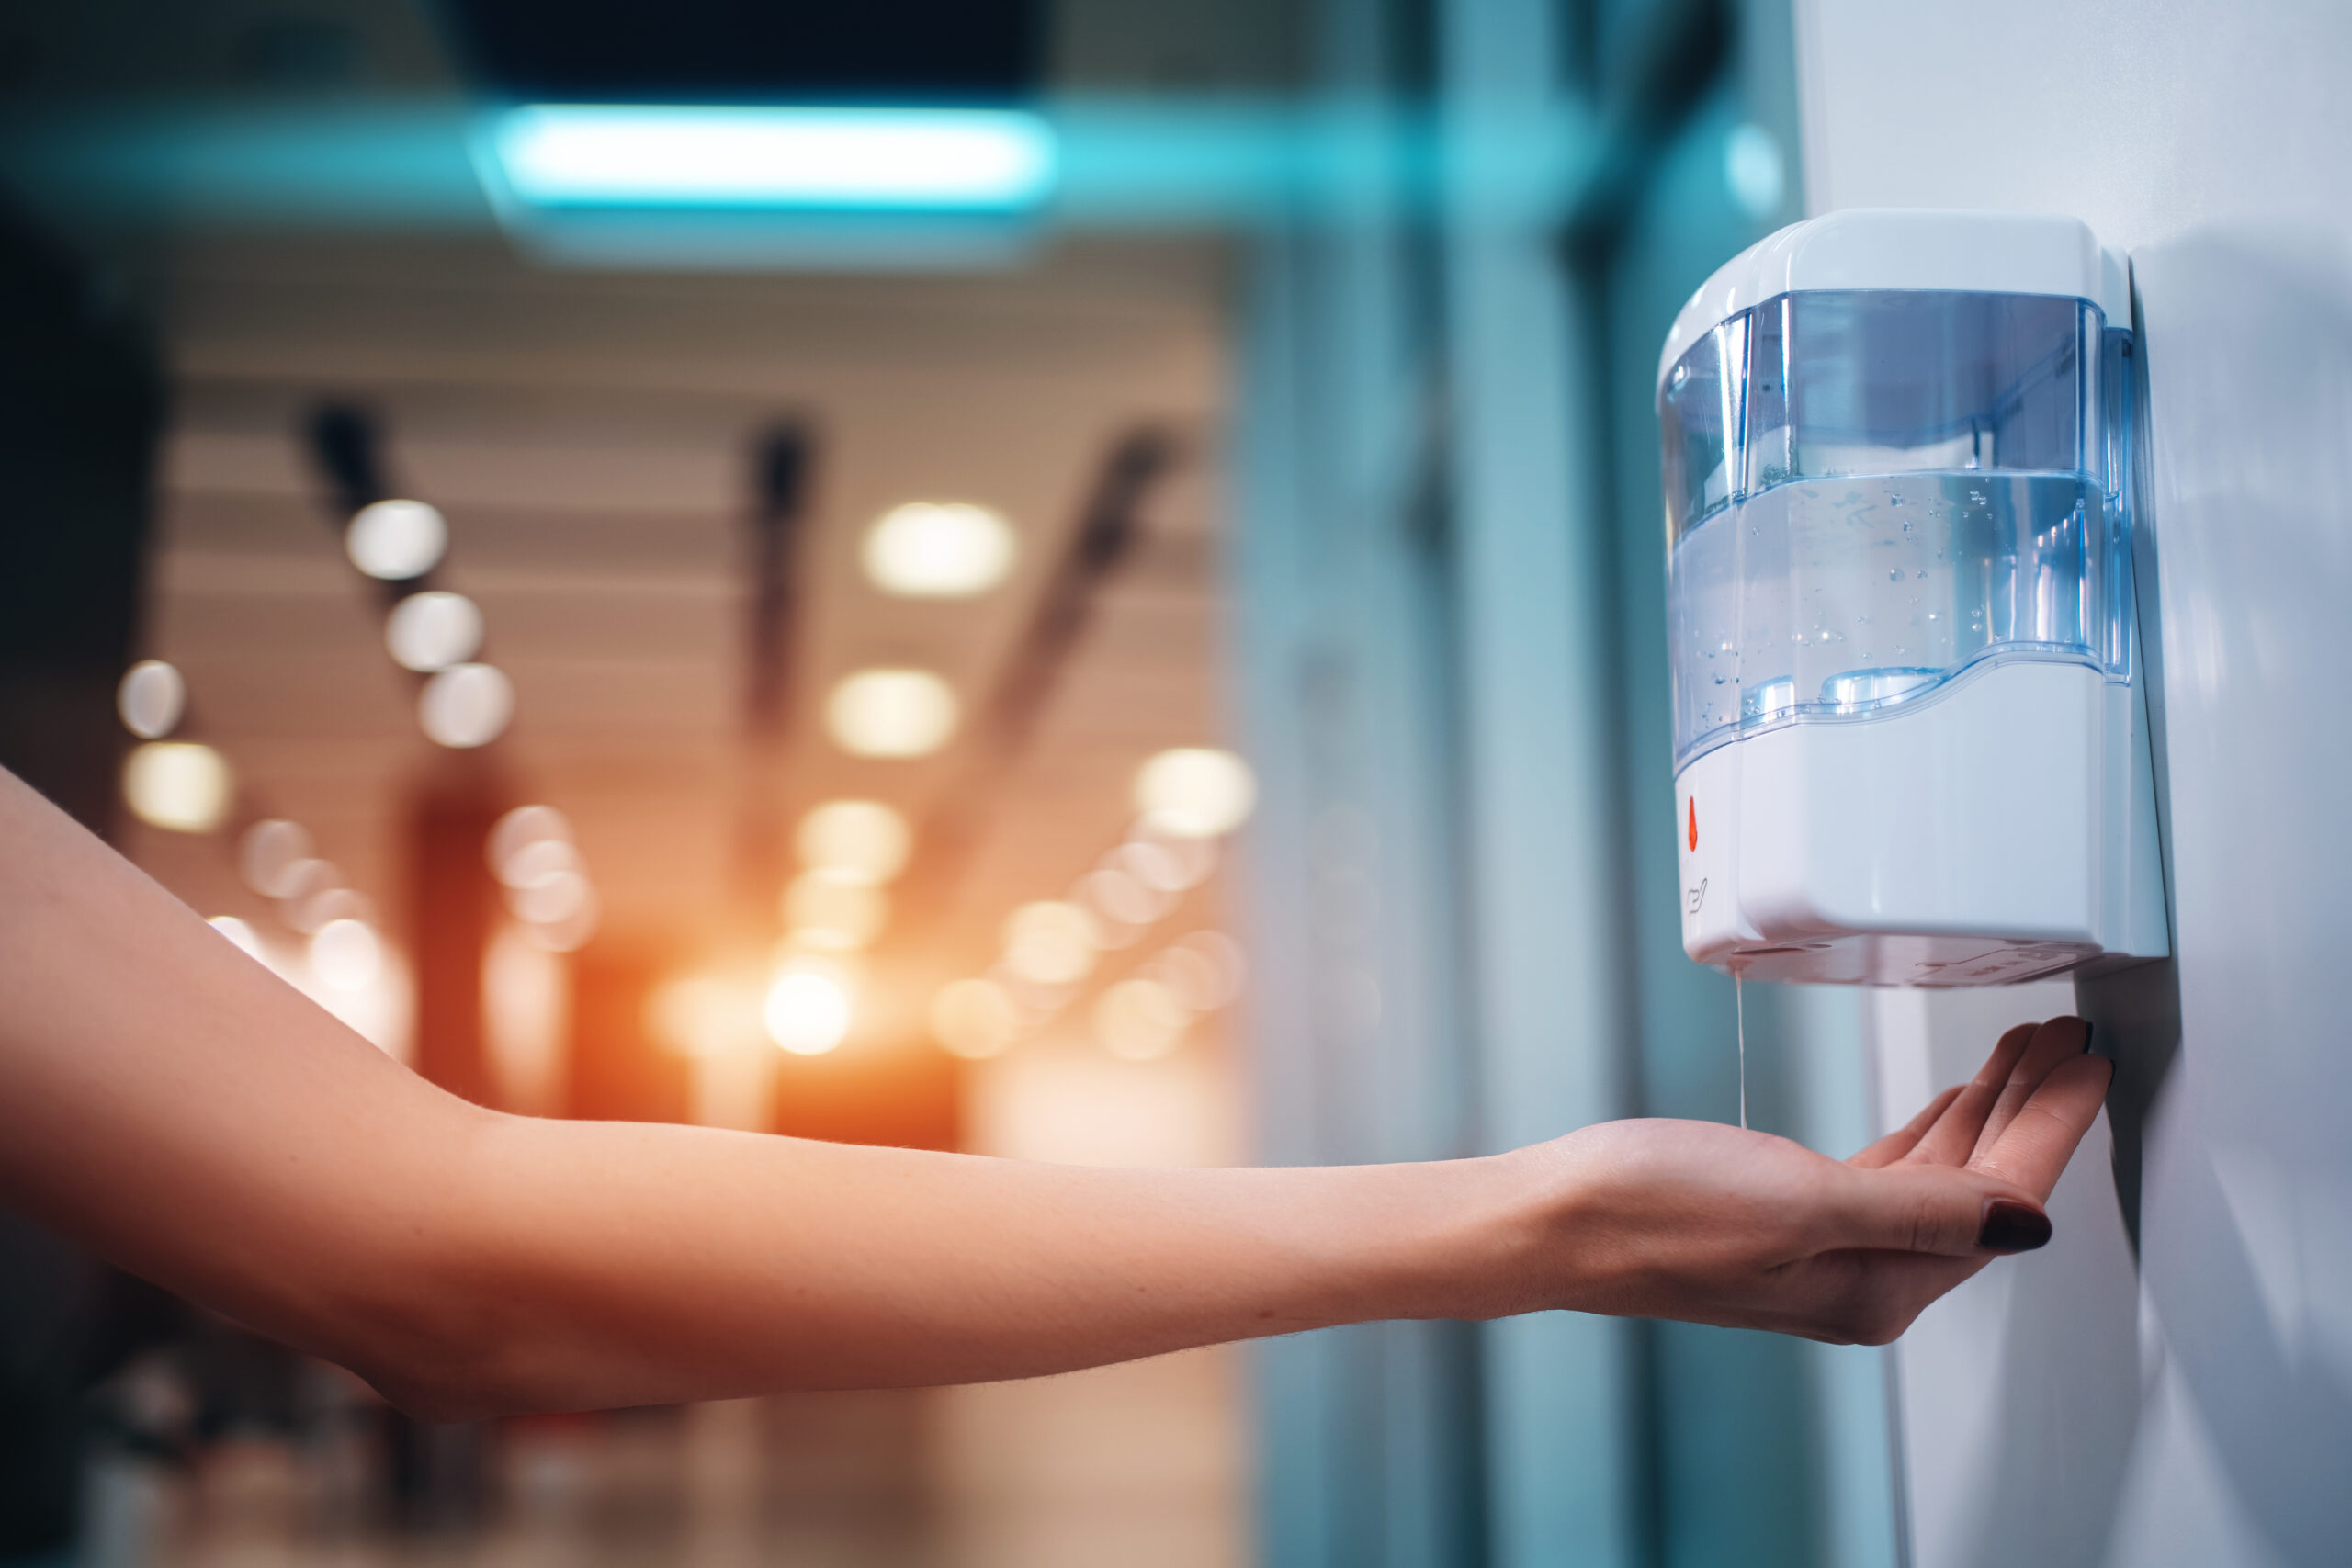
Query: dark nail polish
[[2013, 1227]]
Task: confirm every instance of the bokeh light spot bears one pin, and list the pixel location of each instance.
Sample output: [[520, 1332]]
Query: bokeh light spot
[[345, 955], [854, 840], [891, 713], [928, 552], [465, 706], [151, 699], [1205, 970], [807, 1011], [1051, 943], [396, 540], [973, 1019], [246, 939], [515, 832], [178, 785], [428, 632], [1140, 1020], [269, 854], [1195, 792]]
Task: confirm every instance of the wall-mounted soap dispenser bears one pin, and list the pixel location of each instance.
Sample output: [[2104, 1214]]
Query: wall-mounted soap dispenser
[[1910, 742]]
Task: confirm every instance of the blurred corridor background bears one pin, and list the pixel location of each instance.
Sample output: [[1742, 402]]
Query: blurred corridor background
[[1078, 580]]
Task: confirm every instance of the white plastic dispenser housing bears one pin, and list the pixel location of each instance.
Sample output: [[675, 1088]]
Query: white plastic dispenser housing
[[1910, 743]]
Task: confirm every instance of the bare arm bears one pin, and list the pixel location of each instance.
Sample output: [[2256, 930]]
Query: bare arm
[[180, 1110]]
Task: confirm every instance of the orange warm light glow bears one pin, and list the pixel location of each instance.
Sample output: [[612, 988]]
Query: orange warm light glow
[[807, 1011], [703, 1015], [973, 1019], [854, 840], [826, 913]]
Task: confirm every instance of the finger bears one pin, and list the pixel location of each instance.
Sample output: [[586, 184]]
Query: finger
[[2043, 1136], [2054, 1043], [1941, 1210], [1953, 1137], [1897, 1143]]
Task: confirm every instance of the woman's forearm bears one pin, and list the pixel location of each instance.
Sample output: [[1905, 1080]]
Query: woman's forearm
[[608, 1263]]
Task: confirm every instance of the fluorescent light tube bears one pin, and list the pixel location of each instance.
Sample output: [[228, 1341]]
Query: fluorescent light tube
[[864, 159]]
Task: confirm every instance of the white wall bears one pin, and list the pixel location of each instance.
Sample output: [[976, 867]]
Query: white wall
[[2192, 1404]]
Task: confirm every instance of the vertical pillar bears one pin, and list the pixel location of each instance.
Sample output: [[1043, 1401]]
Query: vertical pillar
[[453, 908], [1538, 673], [80, 404]]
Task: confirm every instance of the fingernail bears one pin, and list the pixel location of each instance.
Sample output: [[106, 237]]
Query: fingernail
[[2013, 1227]]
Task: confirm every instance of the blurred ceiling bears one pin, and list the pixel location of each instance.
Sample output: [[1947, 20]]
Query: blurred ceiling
[[248, 47], [591, 437], [734, 51]]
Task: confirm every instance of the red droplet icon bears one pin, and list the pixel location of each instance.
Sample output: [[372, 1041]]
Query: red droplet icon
[[1694, 822]]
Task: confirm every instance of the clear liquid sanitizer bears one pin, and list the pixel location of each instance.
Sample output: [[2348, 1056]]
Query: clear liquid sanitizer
[[1910, 737]]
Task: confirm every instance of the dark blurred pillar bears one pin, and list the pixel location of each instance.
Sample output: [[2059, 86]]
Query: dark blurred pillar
[[619, 1072], [437, 1473], [79, 406], [453, 908], [783, 463]]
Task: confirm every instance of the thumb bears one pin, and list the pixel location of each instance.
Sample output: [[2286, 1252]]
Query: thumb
[[1936, 1209]]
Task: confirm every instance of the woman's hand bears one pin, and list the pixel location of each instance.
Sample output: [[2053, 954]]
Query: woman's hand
[[1705, 1222]]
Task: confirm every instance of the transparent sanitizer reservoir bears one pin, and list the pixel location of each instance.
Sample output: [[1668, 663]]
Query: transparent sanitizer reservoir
[[1901, 616], [1872, 492]]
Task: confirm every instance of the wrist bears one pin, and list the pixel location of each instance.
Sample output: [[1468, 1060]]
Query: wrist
[[1498, 1244]]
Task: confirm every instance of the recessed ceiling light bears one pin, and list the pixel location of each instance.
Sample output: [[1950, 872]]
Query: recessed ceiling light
[[891, 713], [180, 785], [807, 1010], [430, 631], [151, 699], [465, 706], [396, 540], [928, 550], [1195, 792]]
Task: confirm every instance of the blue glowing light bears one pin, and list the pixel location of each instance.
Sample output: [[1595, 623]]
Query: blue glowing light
[[866, 160]]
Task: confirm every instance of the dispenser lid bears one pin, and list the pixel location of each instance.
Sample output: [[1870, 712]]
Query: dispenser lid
[[1982, 253]]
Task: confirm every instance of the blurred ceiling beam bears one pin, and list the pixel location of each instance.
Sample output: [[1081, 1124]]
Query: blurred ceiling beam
[[783, 460], [1109, 523]]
